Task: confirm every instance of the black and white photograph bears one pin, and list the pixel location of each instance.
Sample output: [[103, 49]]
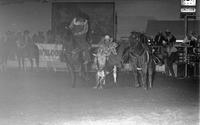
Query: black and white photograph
[[99, 62]]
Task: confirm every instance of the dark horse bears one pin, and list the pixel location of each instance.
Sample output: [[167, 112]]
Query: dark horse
[[73, 57], [28, 51], [141, 60]]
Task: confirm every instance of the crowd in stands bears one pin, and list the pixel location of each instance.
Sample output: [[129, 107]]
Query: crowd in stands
[[40, 37]]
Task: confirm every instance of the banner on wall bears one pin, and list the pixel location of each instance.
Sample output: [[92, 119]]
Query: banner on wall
[[50, 55]]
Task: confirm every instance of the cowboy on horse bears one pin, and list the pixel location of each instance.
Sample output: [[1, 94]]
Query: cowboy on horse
[[79, 28], [139, 56], [106, 47], [103, 61]]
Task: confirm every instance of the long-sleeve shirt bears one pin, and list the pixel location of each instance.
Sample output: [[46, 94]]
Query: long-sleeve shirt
[[107, 47]]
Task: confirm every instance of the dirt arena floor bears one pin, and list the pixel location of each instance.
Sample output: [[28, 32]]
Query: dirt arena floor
[[47, 98]]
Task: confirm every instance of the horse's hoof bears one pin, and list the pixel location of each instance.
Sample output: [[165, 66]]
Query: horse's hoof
[[137, 86], [100, 88], [95, 87]]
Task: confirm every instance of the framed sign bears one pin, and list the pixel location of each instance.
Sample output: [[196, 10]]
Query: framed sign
[[188, 2], [188, 8]]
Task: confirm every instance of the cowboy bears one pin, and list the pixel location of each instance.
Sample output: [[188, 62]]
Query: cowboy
[[171, 58], [27, 38], [106, 47], [79, 28]]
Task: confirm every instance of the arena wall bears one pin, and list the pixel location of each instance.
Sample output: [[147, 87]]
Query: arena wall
[[131, 14]]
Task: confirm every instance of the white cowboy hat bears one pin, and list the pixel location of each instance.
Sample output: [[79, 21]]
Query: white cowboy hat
[[107, 37]]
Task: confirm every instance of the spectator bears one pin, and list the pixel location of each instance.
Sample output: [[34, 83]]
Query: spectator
[[35, 38], [159, 39], [193, 39], [27, 38], [41, 37], [172, 57], [186, 39], [49, 36], [19, 40], [169, 37]]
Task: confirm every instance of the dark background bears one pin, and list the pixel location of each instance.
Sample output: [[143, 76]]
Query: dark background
[[100, 16]]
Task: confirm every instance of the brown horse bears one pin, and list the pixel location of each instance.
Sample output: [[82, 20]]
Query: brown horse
[[73, 57], [141, 61]]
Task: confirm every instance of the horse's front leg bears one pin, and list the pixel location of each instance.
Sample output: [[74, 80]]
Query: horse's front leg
[[37, 63], [150, 75], [135, 76], [135, 73], [97, 80], [115, 75], [100, 79], [143, 74], [86, 71], [31, 61]]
